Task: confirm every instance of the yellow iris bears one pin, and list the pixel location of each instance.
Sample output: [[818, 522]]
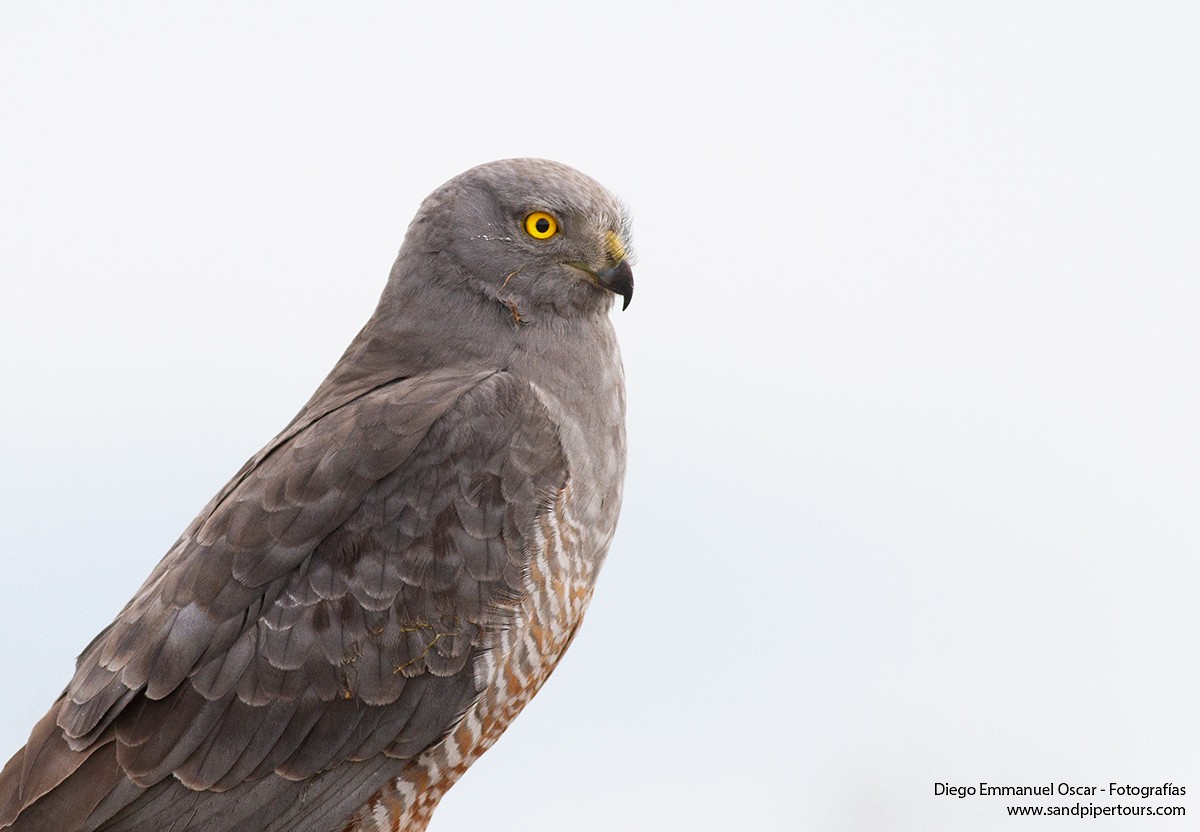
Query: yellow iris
[[541, 225]]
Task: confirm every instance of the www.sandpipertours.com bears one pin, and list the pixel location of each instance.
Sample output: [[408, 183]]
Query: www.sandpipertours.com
[[1064, 789]]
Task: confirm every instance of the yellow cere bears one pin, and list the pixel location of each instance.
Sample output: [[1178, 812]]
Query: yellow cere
[[616, 248], [541, 225]]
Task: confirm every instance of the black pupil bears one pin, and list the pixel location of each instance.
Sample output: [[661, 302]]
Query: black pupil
[[542, 225]]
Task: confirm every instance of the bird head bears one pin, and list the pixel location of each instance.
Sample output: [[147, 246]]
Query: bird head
[[531, 234]]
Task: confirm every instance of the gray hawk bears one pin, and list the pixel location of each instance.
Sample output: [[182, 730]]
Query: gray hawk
[[376, 594]]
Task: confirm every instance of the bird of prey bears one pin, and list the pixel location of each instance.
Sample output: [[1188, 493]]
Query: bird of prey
[[364, 608]]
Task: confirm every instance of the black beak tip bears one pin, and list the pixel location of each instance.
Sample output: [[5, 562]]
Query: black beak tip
[[619, 280]]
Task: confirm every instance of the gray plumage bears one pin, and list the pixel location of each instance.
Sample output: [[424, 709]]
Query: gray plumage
[[325, 620]]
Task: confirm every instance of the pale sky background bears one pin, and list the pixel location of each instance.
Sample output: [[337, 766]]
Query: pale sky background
[[914, 478]]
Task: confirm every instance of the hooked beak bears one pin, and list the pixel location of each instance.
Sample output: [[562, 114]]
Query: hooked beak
[[619, 280]]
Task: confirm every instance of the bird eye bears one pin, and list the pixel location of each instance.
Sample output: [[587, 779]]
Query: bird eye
[[541, 225]]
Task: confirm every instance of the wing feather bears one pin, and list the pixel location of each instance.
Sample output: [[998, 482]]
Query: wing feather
[[325, 610]]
